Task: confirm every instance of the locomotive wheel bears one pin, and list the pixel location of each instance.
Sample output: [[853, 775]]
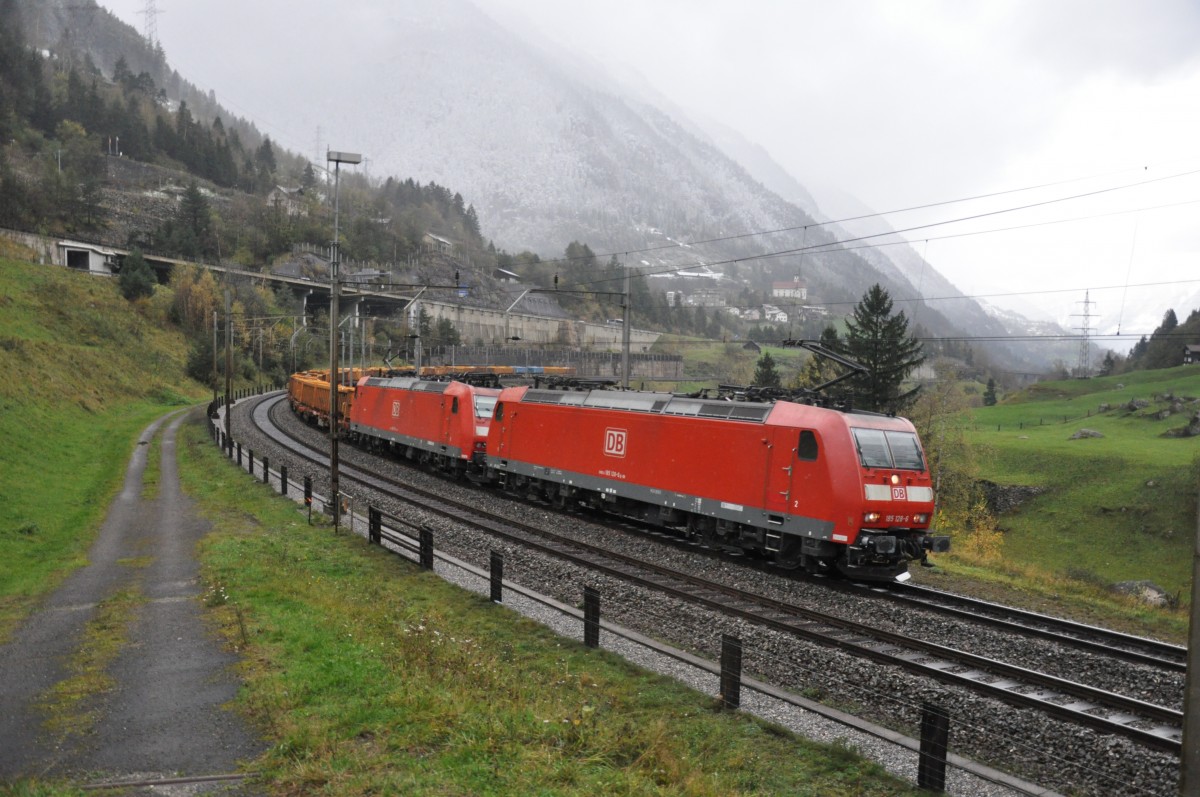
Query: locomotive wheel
[[557, 495]]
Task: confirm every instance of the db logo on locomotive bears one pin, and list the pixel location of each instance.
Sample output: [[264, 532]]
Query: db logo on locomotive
[[614, 442]]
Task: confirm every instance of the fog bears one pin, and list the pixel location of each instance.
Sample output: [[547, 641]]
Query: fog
[[895, 104]]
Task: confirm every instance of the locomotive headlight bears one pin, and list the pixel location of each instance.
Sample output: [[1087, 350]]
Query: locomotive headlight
[[871, 517], [895, 478], [920, 518]]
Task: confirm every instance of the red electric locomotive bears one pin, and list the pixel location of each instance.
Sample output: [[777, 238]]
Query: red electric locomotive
[[444, 424], [811, 487]]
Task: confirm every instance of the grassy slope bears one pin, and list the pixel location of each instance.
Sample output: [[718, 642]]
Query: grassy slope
[[370, 676], [83, 373], [1117, 508]]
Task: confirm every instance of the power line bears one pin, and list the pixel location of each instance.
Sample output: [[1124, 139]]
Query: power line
[[823, 247], [1019, 226], [804, 227]]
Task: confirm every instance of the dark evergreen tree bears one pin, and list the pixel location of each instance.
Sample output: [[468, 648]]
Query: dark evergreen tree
[[989, 395], [472, 222], [264, 157], [136, 279], [190, 233], [581, 261], [444, 333], [1165, 349], [308, 180], [765, 373], [1138, 352], [879, 340], [1110, 364]]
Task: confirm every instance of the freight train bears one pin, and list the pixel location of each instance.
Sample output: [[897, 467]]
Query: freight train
[[831, 491]]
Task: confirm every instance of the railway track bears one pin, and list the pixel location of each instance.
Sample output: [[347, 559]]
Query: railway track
[[1147, 724], [1114, 644]]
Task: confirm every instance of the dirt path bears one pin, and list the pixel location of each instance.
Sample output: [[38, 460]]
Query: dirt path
[[117, 678]]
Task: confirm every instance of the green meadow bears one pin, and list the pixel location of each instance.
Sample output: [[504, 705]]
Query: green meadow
[[1121, 507]]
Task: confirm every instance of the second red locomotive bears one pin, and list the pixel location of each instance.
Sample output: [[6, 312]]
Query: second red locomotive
[[443, 424]]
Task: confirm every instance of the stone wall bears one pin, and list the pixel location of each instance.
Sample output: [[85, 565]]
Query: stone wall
[[45, 250], [598, 364], [487, 326]]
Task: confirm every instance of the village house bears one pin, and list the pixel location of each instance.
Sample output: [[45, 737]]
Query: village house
[[795, 289], [288, 200]]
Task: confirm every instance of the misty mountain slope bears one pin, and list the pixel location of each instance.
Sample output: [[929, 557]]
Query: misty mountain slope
[[543, 145], [548, 154], [546, 158]]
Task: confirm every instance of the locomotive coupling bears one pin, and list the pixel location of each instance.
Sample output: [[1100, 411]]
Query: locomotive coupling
[[888, 544], [936, 544]]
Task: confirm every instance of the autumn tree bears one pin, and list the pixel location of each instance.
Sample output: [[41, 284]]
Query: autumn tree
[[196, 297]]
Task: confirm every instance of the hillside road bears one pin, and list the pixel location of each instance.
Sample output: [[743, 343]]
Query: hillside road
[[116, 678]]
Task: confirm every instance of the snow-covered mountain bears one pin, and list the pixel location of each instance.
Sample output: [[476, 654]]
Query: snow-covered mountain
[[550, 147]]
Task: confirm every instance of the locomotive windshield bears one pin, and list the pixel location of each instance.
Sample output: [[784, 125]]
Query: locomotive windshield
[[879, 449], [484, 406]]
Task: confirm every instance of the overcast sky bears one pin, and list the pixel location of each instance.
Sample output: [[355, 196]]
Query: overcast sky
[[899, 103]]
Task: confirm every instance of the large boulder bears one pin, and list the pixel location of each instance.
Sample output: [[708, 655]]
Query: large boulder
[[1084, 433], [1191, 430], [1147, 592]]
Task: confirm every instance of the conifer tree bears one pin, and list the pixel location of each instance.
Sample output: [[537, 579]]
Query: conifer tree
[[765, 374], [880, 341], [989, 395], [136, 279]]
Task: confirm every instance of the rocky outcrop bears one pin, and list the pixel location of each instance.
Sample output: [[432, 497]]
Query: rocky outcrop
[[1003, 498], [1191, 430], [1146, 592]]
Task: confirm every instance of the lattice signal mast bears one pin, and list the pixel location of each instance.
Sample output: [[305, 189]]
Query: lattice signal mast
[[1084, 369], [150, 12]]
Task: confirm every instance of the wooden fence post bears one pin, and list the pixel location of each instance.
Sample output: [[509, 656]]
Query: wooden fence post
[[591, 617], [935, 738], [374, 526], [497, 577], [426, 548], [731, 671]]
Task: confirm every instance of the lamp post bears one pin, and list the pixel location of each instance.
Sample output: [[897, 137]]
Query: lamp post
[[625, 334], [337, 159]]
